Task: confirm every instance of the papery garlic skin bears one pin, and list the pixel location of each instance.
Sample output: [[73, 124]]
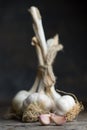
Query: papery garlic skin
[[64, 104], [18, 99], [40, 98]]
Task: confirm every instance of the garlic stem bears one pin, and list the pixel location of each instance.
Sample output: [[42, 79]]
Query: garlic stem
[[38, 28], [54, 94], [36, 43], [37, 83]]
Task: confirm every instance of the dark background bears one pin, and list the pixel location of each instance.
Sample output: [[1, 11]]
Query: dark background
[[18, 61]]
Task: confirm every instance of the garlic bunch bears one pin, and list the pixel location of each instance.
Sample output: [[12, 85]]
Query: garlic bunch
[[43, 94]]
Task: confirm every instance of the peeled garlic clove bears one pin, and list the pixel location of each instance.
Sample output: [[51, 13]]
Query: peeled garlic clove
[[58, 120], [45, 119]]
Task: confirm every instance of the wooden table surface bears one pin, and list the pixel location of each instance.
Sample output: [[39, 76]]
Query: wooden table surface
[[80, 123]]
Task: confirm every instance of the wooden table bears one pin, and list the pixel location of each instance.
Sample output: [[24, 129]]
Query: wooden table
[[80, 123]]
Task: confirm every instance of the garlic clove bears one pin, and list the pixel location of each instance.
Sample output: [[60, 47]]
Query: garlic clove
[[58, 120], [45, 119]]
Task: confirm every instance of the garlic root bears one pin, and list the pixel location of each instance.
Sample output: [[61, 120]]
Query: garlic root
[[73, 113], [32, 112]]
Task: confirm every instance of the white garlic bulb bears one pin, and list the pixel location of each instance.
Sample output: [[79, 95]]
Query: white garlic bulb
[[40, 98], [17, 101], [64, 104]]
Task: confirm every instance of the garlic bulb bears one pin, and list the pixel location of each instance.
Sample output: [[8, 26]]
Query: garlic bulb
[[17, 101], [64, 104], [39, 98]]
